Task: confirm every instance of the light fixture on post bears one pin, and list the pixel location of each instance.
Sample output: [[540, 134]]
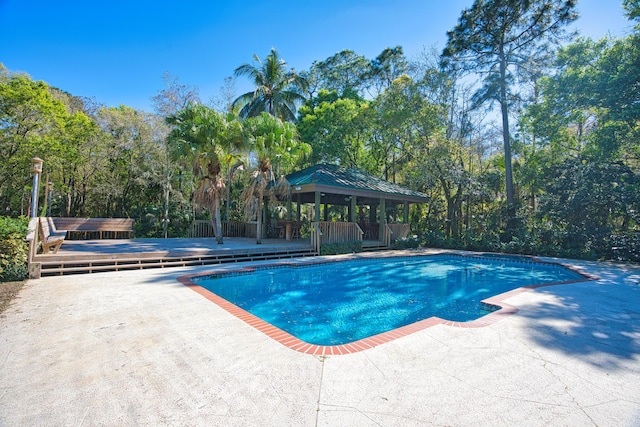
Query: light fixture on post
[[36, 169]]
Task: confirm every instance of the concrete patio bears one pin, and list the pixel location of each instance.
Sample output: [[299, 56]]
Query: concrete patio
[[139, 348]]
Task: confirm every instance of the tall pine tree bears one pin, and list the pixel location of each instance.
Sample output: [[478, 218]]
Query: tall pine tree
[[494, 39]]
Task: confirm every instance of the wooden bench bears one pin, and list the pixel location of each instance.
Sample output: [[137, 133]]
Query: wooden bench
[[91, 228], [51, 238]]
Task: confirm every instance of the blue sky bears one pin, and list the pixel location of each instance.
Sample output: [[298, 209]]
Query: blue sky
[[117, 51]]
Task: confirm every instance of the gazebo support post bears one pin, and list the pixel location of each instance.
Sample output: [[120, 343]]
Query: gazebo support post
[[289, 208], [406, 212], [372, 213], [316, 216], [382, 218], [352, 209]]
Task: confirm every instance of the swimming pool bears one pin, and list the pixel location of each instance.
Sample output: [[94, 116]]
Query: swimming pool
[[336, 303]]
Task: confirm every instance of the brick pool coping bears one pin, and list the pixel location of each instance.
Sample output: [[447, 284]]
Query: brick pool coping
[[504, 310]]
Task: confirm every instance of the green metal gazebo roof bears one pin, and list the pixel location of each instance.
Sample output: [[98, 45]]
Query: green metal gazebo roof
[[337, 182]]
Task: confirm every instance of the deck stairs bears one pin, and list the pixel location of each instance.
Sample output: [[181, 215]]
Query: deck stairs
[[58, 265], [373, 245], [64, 264]]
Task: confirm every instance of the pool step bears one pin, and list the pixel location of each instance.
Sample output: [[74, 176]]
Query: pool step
[[60, 265]]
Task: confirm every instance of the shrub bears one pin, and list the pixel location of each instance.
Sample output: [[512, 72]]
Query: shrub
[[434, 239], [412, 242], [624, 247], [14, 249], [341, 248]]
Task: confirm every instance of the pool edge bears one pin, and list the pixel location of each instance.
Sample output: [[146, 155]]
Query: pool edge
[[288, 340]]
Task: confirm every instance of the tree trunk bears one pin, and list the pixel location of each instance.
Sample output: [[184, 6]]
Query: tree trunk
[[504, 109], [259, 222], [454, 215], [218, 224], [167, 184], [511, 202]]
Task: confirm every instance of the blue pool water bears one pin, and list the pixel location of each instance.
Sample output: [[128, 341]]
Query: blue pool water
[[341, 302]]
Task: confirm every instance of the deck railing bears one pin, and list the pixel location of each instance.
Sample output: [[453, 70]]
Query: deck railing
[[203, 228], [400, 231], [387, 235], [334, 232], [316, 237]]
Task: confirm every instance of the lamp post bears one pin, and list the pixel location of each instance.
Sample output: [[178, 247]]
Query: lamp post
[[36, 169]]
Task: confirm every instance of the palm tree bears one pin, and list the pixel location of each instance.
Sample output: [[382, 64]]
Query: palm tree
[[271, 140], [210, 188], [277, 91], [253, 194], [206, 138]]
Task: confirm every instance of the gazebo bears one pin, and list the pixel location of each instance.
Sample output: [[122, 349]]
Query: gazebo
[[330, 185]]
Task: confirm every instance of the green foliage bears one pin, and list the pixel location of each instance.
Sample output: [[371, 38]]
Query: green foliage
[[149, 222], [343, 73], [576, 147], [32, 123], [277, 90], [276, 140], [624, 247], [406, 124], [540, 239], [341, 248], [337, 130], [14, 249], [131, 162], [209, 141], [413, 242], [589, 203]]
